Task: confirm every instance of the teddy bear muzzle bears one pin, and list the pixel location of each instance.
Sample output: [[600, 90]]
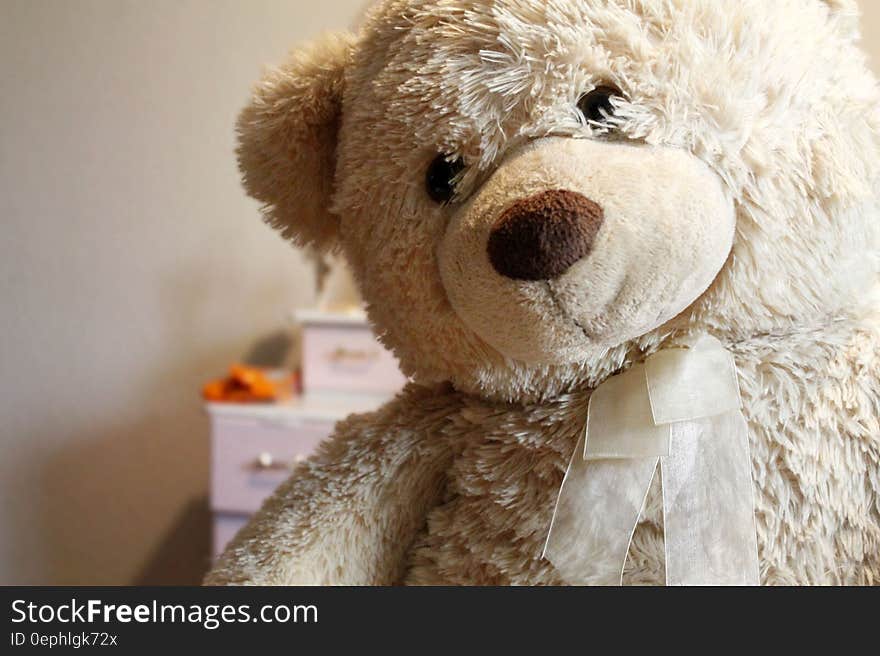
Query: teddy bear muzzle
[[575, 245], [542, 236]]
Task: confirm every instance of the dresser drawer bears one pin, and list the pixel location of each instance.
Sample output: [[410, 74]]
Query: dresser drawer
[[347, 358], [250, 458]]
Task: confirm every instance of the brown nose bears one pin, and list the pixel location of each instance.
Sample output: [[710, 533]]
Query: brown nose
[[542, 236]]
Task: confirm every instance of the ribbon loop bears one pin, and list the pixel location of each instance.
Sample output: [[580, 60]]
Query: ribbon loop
[[619, 420], [686, 384]]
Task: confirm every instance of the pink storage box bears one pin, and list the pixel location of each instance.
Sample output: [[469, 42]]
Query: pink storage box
[[341, 354]]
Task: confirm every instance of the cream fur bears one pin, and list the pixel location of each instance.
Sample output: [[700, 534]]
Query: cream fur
[[766, 111]]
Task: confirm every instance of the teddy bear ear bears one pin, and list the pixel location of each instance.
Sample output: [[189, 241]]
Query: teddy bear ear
[[846, 16], [287, 140]]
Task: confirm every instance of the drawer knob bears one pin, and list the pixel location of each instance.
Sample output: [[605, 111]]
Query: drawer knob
[[267, 462]]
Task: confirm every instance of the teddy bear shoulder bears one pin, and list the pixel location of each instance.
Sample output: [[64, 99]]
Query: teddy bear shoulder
[[826, 377], [812, 402]]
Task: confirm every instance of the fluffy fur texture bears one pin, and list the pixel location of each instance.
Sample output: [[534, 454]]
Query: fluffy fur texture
[[287, 151], [454, 482]]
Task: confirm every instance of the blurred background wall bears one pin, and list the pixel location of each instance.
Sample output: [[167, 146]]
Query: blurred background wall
[[132, 268], [871, 30]]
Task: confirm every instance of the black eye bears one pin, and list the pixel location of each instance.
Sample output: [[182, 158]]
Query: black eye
[[596, 105], [441, 178]]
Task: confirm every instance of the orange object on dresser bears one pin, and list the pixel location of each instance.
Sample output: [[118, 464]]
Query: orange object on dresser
[[248, 385]]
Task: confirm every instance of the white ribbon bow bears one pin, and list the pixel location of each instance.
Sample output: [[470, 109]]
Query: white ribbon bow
[[681, 408]]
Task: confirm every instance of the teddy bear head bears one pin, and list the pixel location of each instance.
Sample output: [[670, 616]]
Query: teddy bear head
[[532, 193]]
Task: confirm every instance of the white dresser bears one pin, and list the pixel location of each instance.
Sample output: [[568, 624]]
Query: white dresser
[[255, 446]]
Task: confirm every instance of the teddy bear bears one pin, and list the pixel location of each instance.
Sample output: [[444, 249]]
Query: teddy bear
[[535, 196]]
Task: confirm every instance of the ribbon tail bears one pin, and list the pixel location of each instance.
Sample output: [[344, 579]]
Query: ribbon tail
[[708, 505], [596, 514]]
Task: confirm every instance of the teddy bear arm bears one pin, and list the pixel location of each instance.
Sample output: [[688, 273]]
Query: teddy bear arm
[[349, 515]]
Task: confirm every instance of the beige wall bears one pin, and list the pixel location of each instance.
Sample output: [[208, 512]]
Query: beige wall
[[871, 30], [132, 268]]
